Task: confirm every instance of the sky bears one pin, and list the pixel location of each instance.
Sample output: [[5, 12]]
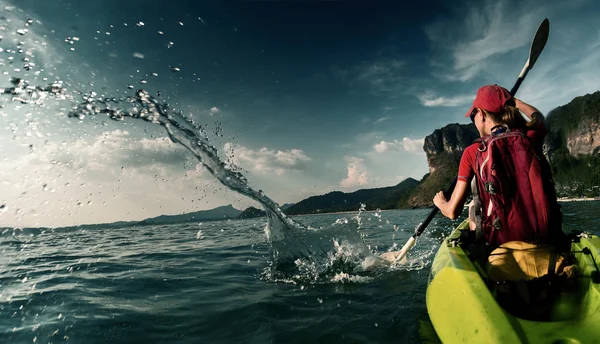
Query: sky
[[305, 97]]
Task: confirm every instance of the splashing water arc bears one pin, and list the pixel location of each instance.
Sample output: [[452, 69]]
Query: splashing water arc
[[147, 108]]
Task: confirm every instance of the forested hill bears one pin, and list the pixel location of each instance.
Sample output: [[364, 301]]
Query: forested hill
[[391, 197]]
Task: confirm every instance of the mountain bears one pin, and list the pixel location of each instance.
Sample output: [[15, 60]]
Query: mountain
[[251, 213], [443, 148], [572, 146], [390, 197], [285, 206], [219, 213]]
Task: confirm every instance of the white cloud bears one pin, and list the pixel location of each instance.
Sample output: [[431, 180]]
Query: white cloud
[[430, 99], [357, 173], [414, 146], [382, 119], [267, 160], [388, 146], [108, 152]]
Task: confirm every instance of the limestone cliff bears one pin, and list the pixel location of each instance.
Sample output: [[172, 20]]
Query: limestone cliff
[[443, 148], [449, 140], [575, 126], [572, 145], [585, 138]]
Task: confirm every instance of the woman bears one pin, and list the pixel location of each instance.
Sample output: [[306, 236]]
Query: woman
[[514, 184]]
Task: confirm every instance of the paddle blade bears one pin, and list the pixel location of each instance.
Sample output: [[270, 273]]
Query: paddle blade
[[539, 42], [397, 256]]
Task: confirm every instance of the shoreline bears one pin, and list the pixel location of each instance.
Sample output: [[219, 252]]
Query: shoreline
[[580, 199]]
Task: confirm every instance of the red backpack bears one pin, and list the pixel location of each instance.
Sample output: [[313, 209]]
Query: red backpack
[[516, 191]]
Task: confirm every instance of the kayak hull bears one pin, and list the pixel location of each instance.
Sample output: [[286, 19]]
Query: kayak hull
[[463, 309]]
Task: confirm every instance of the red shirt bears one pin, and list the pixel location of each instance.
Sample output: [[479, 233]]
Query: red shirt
[[466, 169]]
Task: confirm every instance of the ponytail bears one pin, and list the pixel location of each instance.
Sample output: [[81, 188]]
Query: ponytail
[[511, 117]]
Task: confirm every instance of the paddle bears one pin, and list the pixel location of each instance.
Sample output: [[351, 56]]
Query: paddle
[[538, 44]]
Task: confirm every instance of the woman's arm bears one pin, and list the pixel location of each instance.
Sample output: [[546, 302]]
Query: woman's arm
[[528, 110], [454, 207]]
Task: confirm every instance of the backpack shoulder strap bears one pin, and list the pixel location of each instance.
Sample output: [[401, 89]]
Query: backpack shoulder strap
[[475, 211]]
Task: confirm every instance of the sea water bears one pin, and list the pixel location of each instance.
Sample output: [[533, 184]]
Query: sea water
[[164, 284]]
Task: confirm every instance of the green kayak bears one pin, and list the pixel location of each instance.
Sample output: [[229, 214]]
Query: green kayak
[[463, 305]]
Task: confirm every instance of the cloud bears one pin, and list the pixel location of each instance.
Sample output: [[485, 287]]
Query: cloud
[[108, 153], [383, 76], [357, 173], [382, 119], [414, 146], [265, 160], [430, 99], [388, 146]]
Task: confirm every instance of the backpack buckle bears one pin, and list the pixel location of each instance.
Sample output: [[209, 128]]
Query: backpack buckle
[[497, 225], [489, 188]]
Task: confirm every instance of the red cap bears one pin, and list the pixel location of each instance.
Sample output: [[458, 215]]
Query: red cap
[[491, 98]]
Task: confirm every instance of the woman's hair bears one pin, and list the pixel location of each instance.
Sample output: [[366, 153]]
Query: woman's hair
[[510, 117]]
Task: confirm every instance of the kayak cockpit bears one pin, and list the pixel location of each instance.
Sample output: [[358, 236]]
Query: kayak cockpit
[[465, 306]]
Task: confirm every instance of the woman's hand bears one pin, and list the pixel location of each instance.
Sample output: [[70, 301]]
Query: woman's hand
[[440, 200]]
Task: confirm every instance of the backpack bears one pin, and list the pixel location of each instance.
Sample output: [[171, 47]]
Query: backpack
[[515, 190]]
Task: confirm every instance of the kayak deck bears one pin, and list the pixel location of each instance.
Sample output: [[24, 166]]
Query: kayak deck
[[463, 309]]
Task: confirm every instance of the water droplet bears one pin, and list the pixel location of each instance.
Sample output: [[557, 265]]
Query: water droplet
[[320, 300], [140, 23], [170, 44], [131, 87], [138, 55], [154, 74], [160, 32], [143, 81], [175, 69], [22, 31], [180, 23]]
